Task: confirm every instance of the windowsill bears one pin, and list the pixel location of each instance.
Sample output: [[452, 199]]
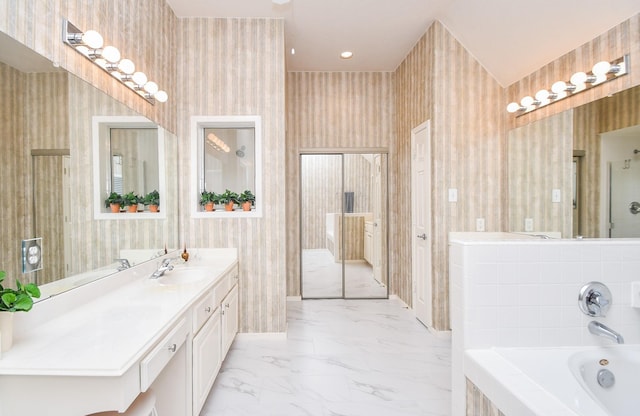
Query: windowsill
[[161, 215], [220, 214]]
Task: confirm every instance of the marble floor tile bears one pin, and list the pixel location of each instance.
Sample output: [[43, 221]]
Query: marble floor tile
[[340, 358]]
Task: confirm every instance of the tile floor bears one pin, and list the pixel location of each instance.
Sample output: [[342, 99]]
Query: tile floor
[[340, 358]]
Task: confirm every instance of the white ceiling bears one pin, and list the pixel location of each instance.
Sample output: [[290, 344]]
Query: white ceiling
[[510, 38]]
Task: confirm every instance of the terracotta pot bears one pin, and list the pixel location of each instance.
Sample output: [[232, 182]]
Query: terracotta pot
[[246, 206], [6, 331], [115, 208], [133, 208], [229, 206], [153, 208], [209, 207]]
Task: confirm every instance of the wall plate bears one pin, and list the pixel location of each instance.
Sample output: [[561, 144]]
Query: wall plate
[[31, 255]]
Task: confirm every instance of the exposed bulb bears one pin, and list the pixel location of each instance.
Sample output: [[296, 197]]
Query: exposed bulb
[[127, 66], [161, 96], [542, 95], [601, 68], [151, 87], [527, 101], [92, 39], [578, 78], [111, 54], [513, 107], [139, 78], [559, 87]]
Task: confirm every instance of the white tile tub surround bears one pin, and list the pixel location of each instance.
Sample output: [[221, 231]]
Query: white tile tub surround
[[510, 290]]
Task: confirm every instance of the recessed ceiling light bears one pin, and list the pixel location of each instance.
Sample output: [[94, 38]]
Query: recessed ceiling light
[[293, 51], [346, 55]]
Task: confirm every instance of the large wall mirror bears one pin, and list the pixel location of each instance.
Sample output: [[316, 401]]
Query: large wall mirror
[[578, 172], [47, 181]]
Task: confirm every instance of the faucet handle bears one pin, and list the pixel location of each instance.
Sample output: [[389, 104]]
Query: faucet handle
[[594, 299]]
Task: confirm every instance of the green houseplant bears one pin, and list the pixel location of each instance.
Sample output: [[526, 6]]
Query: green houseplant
[[228, 199], [114, 200], [208, 200], [246, 199], [131, 200], [152, 199], [14, 300]]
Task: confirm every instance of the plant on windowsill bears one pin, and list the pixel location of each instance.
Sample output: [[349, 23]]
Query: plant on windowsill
[[228, 199], [152, 199], [208, 200], [131, 201], [114, 200], [246, 199], [14, 300]]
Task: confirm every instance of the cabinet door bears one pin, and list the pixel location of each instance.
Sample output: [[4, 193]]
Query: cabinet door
[[229, 319], [207, 359]]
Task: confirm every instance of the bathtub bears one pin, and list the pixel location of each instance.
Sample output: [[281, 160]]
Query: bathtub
[[558, 381]]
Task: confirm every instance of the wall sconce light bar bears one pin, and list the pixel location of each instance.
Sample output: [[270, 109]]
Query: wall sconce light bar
[[90, 44], [580, 81]]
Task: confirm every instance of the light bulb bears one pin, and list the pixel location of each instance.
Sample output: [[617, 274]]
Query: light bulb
[[578, 78], [92, 39], [601, 68], [527, 101], [542, 95], [126, 66], [151, 87], [559, 87], [161, 96], [111, 54], [139, 78], [513, 107]]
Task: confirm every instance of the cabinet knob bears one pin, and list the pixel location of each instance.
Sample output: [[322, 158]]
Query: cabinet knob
[[207, 309], [226, 305], [172, 347]]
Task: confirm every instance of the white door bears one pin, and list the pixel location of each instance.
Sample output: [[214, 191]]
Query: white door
[[421, 222]]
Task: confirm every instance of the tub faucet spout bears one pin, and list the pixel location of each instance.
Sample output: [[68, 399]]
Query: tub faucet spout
[[596, 328]]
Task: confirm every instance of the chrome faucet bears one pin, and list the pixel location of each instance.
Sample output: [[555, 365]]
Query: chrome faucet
[[597, 328], [165, 266], [124, 264]]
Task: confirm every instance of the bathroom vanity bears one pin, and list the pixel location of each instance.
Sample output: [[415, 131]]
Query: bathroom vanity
[[109, 341]]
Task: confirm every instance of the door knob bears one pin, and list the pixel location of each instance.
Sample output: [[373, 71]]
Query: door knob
[[422, 236]]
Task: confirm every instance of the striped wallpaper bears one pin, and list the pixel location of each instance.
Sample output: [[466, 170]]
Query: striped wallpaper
[[337, 110], [236, 67]]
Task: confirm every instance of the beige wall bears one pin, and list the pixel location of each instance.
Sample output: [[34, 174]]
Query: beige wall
[[440, 80], [248, 79], [331, 110]]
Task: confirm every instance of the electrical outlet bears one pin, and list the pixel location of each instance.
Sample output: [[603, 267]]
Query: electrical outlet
[[528, 224], [479, 224], [556, 195], [453, 195]]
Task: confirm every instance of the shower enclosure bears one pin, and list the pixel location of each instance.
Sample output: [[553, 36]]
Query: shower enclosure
[[343, 223]]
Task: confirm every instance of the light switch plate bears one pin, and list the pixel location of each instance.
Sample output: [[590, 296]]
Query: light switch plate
[[528, 224], [479, 224], [453, 195], [556, 195]]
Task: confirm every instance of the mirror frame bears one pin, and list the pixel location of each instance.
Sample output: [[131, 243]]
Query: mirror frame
[[101, 170]]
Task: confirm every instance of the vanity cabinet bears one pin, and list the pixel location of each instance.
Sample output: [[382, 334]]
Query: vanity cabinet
[[215, 324]]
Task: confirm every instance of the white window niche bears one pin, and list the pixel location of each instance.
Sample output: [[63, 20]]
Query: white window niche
[[226, 153], [128, 156]]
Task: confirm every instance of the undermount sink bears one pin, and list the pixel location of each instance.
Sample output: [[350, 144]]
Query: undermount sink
[[184, 276]]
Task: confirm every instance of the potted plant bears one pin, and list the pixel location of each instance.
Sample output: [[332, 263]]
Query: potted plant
[[246, 199], [152, 199], [228, 199], [114, 200], [14, 300], [131, 201], [208, 200]]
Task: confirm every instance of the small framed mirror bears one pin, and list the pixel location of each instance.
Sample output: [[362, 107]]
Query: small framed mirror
[[128, 166], [226, 166]]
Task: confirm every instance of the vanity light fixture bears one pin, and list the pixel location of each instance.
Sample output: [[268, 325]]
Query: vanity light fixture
[[580, 81], [91, 45], [217, 143], [346, 55]]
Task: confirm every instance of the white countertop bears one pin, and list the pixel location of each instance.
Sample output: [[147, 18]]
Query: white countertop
[[106, 336]]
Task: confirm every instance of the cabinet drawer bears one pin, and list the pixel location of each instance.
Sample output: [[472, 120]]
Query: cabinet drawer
[[157, 359], [223, 287], [203, 309]]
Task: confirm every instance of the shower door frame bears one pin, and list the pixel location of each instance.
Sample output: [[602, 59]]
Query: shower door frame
[[385, 238]]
